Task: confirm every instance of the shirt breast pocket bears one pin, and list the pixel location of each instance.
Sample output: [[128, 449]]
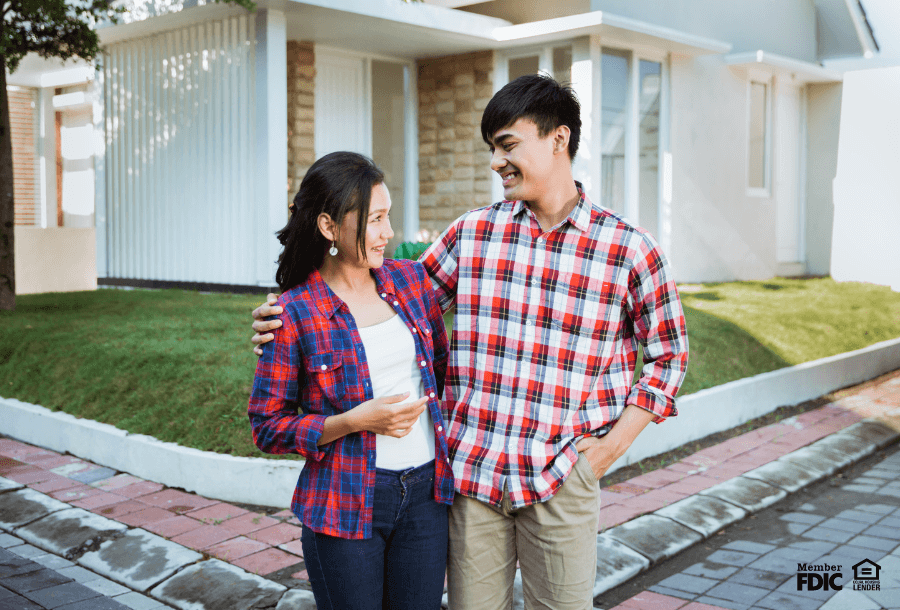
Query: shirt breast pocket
[[423, 329], [327, 373]]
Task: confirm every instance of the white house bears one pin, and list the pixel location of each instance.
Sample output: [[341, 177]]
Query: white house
[[712, 124]]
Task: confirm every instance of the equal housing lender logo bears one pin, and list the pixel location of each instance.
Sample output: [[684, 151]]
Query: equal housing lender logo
[[827, 577]]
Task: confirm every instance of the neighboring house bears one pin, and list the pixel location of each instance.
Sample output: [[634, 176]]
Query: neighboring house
[[52, 121], [712, 124]]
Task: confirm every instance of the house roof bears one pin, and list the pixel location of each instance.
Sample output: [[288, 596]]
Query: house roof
[[844, 30], [412, 30], [798, 71]]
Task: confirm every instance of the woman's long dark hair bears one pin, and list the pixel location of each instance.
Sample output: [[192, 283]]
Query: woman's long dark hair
[[338, 183]]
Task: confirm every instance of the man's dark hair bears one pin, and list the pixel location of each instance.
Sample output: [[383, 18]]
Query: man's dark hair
[[536, 97], [337, 183]]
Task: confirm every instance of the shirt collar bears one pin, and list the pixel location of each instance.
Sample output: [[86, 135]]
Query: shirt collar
[[579, 217], [328, 302]]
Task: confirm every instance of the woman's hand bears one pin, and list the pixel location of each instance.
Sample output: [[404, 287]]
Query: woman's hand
[[380, 415], [386, 417], [261, 326]]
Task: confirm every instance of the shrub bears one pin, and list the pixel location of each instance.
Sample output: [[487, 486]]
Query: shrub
[[410, 251]]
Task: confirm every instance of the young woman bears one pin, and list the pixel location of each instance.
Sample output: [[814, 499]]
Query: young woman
[[352, 382]]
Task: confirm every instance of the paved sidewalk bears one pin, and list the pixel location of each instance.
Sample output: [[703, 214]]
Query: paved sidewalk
[[831, 528], [47, 581], [179, 549]]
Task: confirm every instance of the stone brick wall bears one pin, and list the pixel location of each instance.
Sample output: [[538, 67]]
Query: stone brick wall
[[454, 164], [22, 118], [301, 80]]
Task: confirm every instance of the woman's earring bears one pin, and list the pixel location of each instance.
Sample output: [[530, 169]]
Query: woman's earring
[[333, 250]]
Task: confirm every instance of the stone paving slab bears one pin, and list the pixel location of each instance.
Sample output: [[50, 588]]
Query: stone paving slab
[[827, 458], [873, 431], [848, 444], [7, 484], [139, 560], [616, 563], [216, 585], [787, 475], [750, 494], [703, 514], [65, 532], [654, 537], [297, 599], [24, 506]]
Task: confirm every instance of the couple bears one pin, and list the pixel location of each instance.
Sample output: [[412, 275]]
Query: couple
[[553, 296]]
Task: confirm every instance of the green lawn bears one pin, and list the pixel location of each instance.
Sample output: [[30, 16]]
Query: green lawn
[[178, 366]]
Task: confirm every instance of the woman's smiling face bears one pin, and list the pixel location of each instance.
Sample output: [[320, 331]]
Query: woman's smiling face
[[377, 232]]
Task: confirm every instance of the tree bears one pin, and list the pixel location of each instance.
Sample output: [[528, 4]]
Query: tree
[[50, 28]]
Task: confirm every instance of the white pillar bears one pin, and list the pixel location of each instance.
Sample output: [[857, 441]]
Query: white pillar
[[586, 82], [271, 139], [411, 144], [97, 90], [47, 138], [632, 142]]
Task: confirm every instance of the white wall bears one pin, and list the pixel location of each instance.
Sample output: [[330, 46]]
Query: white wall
[[719, 232], [823, 120], [180, 158], [55, 260], [867, 186]]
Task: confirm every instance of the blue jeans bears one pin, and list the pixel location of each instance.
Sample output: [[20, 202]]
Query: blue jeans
[[402, 566]]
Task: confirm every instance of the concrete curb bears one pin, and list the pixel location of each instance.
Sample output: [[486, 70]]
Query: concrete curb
[[212, 475], [660, 535], [270, 482]]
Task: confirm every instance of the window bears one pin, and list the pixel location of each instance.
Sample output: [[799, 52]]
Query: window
[[758, 138], [555, 61]]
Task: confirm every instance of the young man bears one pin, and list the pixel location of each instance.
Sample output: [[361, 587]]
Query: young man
[[553, 294]]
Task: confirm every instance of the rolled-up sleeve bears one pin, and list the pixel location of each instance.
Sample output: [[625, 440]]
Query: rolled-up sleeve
[[659, 325], [276, 421], [440, 262]]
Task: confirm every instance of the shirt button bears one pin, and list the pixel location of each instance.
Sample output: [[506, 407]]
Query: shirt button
[[533, 282], [527, 322], [324, 367], [431, 395], [413, 328], [540, 240], [383, 295], [396, 303], [440, 428], [421, 363]]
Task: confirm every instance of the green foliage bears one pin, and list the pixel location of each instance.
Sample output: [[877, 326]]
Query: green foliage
[[52, 28], [410, 250], [178, 365]]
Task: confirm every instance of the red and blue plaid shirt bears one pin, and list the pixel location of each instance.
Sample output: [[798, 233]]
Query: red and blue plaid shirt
[[316, 367], [545, 340]]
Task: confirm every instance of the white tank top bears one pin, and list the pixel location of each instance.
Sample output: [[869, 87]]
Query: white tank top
[[391, 355]]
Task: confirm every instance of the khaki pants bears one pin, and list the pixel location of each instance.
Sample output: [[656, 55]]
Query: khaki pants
[[555, 543]]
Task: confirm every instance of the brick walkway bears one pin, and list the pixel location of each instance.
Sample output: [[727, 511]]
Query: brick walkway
[[268, 545]]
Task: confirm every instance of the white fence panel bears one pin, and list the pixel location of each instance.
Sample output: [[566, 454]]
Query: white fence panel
[[179, 162]]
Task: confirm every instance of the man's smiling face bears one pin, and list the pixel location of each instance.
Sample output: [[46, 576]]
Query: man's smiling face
[[523, 159]]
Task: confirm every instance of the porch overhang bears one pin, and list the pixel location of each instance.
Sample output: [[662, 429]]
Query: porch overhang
[[800, 72], [414, 30], [35, 71], [614, 28]]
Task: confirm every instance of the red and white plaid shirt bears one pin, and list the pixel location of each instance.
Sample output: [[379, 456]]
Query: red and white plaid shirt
[[545, 340]]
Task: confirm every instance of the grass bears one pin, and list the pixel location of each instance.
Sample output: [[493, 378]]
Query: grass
[[177, 365]]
